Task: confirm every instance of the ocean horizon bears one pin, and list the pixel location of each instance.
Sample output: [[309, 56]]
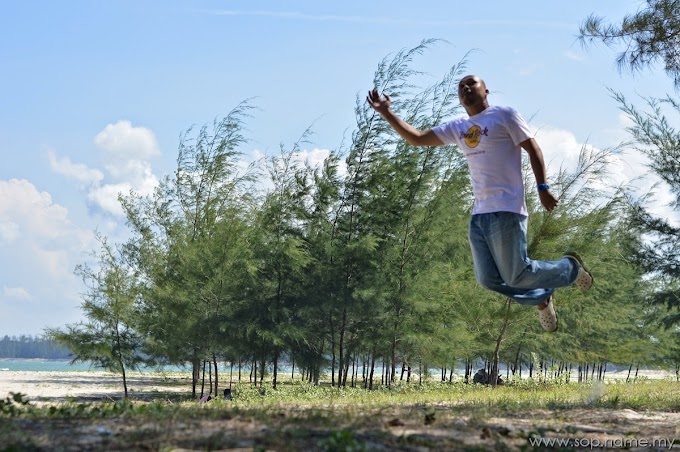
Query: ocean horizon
[[64, 365]]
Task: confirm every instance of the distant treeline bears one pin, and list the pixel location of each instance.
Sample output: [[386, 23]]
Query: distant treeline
[[32, 347]]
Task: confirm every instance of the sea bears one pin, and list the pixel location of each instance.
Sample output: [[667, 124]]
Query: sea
[[59, 365]]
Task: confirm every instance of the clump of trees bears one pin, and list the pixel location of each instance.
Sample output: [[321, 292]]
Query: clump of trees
[[27, 347], [357, 264], [649, 38]]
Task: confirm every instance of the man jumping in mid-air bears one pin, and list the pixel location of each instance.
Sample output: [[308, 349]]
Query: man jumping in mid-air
[[492, 139]]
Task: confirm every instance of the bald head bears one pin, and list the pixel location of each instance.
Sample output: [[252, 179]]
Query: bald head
[[472, 93]]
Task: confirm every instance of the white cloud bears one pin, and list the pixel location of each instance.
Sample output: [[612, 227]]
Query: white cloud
[[31, 214], [124, 142], [316, 157], [628, 168], [9, 231], [106, 197], [77, 171], [16, 293], [560, 147], [39, 254], [126, 151]]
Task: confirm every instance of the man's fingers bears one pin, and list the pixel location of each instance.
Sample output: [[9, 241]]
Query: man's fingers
[[375, 99]]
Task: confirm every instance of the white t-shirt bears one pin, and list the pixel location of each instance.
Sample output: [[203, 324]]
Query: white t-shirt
[[491, 141]]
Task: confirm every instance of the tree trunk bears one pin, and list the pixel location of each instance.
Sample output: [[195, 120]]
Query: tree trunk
[[393, 356], [330, 319], [354, 369], [276, 366], [209, 374], [263, 364], [203, 379], [215, 364], [493, 376], [125, 388], [341, 346], [519, 349], [466, 378], [195, 374], [253, 371], [569, 373], [382, 373]]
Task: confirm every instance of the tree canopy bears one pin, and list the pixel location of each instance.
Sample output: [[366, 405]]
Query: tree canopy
[[360, 264]]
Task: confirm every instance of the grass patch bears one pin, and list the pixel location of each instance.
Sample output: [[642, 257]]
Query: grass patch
[[326, 418]]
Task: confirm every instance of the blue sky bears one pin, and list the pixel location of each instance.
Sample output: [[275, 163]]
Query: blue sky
[[95, 95]]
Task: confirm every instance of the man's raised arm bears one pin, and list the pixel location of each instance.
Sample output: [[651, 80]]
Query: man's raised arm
[[405, 130]]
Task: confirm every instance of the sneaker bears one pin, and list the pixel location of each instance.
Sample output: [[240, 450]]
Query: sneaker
[[584, 280], [548, 317]]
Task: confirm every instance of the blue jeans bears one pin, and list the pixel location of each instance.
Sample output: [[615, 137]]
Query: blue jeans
[[499, 249]]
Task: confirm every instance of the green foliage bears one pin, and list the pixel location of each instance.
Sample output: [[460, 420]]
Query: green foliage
[[109, 339], [648, 36], [13, 405], [352, 420], [341, 441], [74, 409], [31, 347], [359, 265], [313, 401]]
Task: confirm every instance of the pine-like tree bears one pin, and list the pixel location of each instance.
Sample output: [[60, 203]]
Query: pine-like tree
[[109, 338]]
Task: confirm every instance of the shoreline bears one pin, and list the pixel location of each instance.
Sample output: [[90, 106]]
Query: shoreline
[[38, 360], [55, 386]]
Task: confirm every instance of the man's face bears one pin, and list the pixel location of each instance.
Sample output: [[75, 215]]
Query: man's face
[[472, 91]]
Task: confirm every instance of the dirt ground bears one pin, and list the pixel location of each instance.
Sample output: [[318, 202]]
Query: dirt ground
[[400, 431], [399, 428]]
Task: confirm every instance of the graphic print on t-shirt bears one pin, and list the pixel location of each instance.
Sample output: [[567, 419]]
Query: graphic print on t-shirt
[[474, 135]]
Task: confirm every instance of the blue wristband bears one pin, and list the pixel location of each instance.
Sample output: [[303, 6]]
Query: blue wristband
[[542, 187]]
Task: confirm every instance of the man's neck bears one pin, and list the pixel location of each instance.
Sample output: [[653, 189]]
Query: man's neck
[[476, 109]]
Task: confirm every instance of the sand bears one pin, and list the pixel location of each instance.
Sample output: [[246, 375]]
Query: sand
[[53, 386]]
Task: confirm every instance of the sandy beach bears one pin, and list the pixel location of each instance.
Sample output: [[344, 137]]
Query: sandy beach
[[54, 386]]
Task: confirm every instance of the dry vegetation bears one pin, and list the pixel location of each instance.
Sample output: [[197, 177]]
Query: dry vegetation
[[301, 417]]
